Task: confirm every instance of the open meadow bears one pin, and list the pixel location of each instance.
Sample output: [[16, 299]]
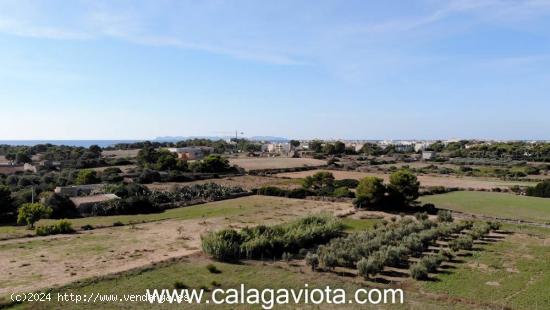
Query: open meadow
[[39, 262], [508, 269], [502, 205]]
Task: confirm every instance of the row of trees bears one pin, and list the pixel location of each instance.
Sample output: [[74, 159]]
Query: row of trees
[[517, 150], [164, 160]]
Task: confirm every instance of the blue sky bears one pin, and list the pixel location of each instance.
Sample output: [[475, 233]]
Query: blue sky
[[299, 69]]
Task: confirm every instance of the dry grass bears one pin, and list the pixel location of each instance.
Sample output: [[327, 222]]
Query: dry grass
[[275, 162], [425, 180], [247, 182], [120, 153], [28, 264]]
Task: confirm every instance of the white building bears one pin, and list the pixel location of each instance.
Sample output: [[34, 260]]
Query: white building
[[191, 152], [279, 148], [427, 155]]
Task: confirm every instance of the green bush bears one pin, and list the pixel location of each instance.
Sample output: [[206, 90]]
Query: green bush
[[223, 245], [431, 262], [495, 225], [444, 216], [180, 286], [61, 227], [540, 190], [462, 243], [342, 192], [419, 272], [312, 260], [213, 269], [369, 266], [349, 183], [271, 241]]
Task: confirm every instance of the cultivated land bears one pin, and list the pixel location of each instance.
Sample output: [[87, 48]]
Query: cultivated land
[[28, 264], [506, 270], [247, 182], [275, 162], [500, 205], [425, 180]]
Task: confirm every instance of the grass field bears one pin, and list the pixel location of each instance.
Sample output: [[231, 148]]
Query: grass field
[[494, 204], [513, 273], [509, 274]]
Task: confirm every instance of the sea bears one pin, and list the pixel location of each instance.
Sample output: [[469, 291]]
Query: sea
[[81, 143]]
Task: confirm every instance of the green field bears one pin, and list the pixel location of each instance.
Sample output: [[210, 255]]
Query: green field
[[512, 273], [494, 204], [192, 273]]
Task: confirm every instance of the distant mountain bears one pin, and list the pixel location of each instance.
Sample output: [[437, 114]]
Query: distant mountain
[[181, 138]]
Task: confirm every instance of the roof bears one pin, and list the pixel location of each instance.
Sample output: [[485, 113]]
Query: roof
[[93, 198]]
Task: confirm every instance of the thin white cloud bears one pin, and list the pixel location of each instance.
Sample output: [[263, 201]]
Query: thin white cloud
[[24, 29], [129, 28]]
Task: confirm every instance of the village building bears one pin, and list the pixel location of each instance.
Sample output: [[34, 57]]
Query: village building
[[428, 155], [85, 204], [191, 152], [78, 190]]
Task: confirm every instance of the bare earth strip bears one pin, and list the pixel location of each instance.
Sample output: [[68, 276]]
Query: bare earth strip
[[29, 264], [275, 162], [425, 180], [247, 182]]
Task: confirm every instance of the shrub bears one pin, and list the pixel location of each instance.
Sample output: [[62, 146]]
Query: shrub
[[312, 260], [349, 183], [223, 245], [62, 227], [327, 257], [494, 225], [462, 243], [444, 216], [271, 241], [542, 189], [299, 193], [342, 192], [419, 272], [369, 266], [447, 254], [431, 262], [180, 286], [213, 269], [421, 216], [215, 284]]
